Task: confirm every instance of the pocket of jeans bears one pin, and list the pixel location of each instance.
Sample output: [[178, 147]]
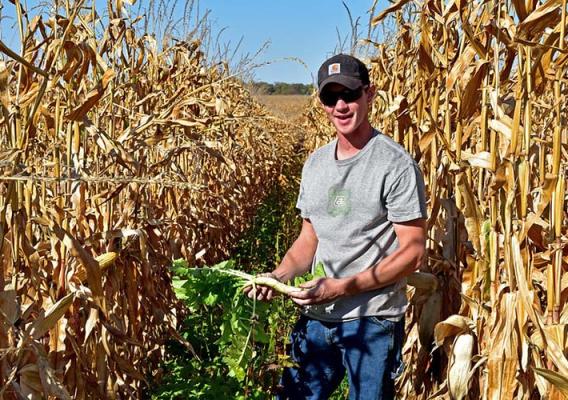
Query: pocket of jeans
[[383, 323], [298, 339]]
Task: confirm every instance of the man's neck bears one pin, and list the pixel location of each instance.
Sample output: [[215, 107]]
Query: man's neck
[[349, 146]]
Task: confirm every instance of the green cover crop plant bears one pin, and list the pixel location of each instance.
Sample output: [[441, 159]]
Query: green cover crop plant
[[239, 342]]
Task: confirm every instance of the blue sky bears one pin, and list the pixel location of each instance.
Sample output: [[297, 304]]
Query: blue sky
[[306, 29]]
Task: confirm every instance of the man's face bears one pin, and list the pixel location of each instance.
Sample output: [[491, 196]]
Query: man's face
[[347, 109]]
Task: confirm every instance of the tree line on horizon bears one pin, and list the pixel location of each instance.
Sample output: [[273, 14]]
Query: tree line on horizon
[[279, 88]]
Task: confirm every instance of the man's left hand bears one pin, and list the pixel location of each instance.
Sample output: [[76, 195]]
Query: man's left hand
[[318, 291]]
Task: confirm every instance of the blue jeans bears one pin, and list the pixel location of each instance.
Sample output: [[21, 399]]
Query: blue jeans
[[369, 349]]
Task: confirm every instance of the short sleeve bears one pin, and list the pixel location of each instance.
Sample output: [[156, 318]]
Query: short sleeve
[[302, 202], [405, 198]]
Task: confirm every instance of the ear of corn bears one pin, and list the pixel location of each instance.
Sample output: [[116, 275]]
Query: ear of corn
[[423, 281], [105, 261], [52, 315], [460, 366], [429, 316]]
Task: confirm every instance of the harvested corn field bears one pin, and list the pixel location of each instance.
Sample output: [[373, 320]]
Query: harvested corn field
[[119, 154], [286, 106]]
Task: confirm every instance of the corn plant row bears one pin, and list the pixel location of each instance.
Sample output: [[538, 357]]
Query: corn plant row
[[118, 155], [476, 92]]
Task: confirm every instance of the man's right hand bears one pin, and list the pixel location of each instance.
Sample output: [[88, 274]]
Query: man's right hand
[[260, 292]]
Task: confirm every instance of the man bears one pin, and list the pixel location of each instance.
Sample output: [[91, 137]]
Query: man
[[363, 207]]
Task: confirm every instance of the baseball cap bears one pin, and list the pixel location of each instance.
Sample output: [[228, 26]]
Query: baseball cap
[[345, 70]]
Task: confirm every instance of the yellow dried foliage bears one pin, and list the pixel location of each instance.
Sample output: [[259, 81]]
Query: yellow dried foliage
[[116, 147], [476, 92]]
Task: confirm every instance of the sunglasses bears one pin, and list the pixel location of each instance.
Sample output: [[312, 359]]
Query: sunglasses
[[330, 98]]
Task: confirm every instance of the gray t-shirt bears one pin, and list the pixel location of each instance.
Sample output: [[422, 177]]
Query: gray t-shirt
[[352, 205]]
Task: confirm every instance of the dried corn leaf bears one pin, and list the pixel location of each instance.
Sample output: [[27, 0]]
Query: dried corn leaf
[[9, 304], [94, 276], [451, 326], [49, 381], [558, 380], [53, 314], [392, 8], [458, 70], [551, 346], [471, 96], [546, 15]]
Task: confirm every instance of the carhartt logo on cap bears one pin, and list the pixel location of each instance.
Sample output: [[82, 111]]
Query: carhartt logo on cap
[[334, 69]]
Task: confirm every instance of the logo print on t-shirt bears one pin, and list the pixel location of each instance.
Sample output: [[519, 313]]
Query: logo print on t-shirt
[[338, 202]]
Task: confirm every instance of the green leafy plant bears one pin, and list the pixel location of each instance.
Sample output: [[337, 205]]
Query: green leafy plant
[[238, 340], [319, 272], [240, 317]]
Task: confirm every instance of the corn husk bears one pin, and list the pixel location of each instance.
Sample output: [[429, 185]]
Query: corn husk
[[460, 366]]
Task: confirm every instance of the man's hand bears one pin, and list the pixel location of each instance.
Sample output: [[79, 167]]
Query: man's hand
[[296, 262], [263, 293], [319, 291]]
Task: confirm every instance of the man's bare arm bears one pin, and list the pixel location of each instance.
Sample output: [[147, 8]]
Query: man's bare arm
[[298, 259], [397, 265], [296, 262], [401, 263]]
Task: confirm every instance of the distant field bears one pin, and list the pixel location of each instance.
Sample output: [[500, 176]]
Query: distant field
[[288, 107]]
